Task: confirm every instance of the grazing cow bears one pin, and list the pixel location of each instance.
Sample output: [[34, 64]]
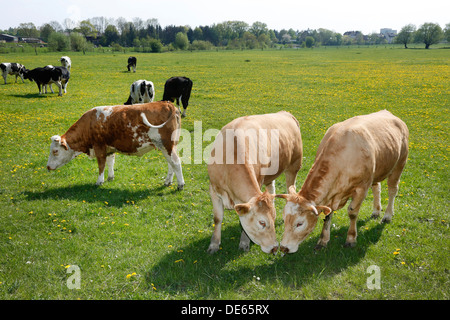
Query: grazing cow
[[236, 176], [177, 88], [66, 62], [48, 75], [15, 69], [102, 131], [132, 63], [141, 91], [353, 156]]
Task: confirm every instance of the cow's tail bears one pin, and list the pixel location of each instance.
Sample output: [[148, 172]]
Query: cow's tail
[[144, 118], [174, 113]]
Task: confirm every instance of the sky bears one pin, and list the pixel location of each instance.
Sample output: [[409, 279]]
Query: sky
[[337, 15]]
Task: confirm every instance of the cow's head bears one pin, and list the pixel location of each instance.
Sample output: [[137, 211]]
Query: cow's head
[[258, 220], [27, 74], [300, 217], [60, 153]]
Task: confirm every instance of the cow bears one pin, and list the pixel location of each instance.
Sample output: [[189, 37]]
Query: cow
[[354, 155], [177, 88], [15, 69], [48, 75], [66, 62], [141, 91], [132, 63], [237, 175], [64, 80], [102, 131]]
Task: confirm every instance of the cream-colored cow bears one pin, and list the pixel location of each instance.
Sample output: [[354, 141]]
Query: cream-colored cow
[[353, 156], [250, 152]]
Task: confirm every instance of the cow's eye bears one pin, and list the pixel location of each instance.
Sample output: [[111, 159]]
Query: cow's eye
[[262, 223], [55, 152], [299, 224]]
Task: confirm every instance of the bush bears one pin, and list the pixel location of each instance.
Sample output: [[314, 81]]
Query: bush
[[58, 42], [201, 45]]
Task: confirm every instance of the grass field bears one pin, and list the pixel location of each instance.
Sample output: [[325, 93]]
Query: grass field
[[133, 238]]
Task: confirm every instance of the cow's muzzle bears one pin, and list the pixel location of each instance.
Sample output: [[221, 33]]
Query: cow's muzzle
[[284, 249]]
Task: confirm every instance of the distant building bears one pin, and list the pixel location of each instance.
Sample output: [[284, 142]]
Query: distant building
[[388, 34], [8, 38], [32, 40]]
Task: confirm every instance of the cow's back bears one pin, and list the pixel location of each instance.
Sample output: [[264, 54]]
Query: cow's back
[[365, 145], [289, 140]]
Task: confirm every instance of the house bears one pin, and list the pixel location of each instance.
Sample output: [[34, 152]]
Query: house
[[388, 34], [8, 38]]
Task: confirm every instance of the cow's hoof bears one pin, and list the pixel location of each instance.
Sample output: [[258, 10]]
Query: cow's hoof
[[110, 178], [319, 247], [180, 187], [386, 220], [213, 248], [350, 245]]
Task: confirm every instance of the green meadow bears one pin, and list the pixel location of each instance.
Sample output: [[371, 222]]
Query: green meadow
[[134, 238]]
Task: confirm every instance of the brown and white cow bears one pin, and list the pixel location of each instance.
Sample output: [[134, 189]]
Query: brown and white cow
[[102, 131], [353, 156], [250, 152]]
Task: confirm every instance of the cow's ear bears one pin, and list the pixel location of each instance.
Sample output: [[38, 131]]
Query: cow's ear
[[318, 209], [64, 144], [242, 209]]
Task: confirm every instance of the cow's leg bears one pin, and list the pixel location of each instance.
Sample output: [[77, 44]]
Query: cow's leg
[[39, 87], [169, 178], [291, 175], [110, 162], [353, 210], [376, 191], [4, 76], [175, 164], [392, 183], [218, 218], [58, 83], [100, 153], [325, 234]]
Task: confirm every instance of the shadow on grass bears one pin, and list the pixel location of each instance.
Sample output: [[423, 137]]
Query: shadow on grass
[[91, 193], [190, 271]]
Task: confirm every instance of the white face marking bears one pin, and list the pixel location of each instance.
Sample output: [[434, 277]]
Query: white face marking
[[59, 156], [105, 111], [291, 208]]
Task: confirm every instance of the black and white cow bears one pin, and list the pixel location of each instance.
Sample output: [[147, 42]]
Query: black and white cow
[[64, 79], [66, 62], [132, 63], [15, 69], [177, 88], [141, 91], [48, 75]]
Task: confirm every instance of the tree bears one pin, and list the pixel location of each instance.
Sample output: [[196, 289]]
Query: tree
[[46, 31], [429, 33], [111, 35], [87, 29], [181, 41], [27, 30], [309, 41], [447, 32], [405, 35], [78, 42]]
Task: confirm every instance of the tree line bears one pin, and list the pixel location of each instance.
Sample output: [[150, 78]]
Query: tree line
[[151, 37]]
